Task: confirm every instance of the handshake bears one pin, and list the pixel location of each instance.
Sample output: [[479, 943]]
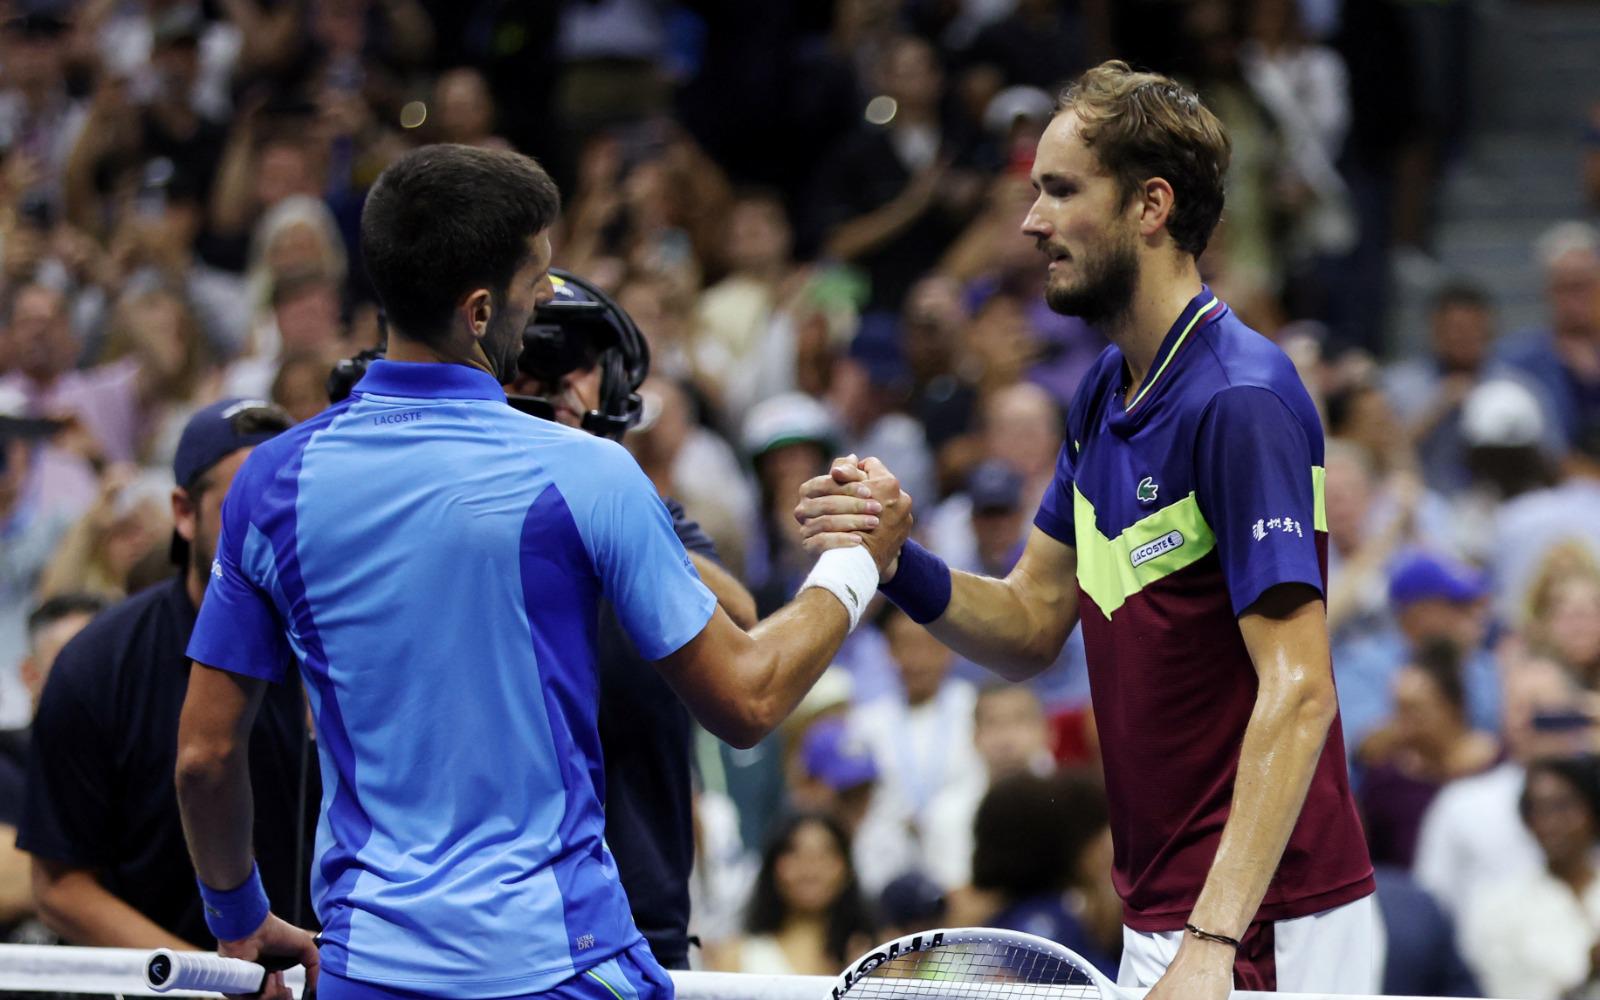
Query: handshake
[[857, 502]]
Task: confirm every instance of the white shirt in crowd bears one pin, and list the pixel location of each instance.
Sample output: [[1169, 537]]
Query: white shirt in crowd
[[921, 751], [1472, 836], [1528, 937]]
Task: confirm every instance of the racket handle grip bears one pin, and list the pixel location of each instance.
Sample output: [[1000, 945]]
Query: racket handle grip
[[192, 970]]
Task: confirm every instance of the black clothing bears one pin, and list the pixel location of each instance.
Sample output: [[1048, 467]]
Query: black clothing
[[101, 794], [645, 736]]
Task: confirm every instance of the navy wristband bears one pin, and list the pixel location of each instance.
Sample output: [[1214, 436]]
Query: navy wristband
[[236, 913], [921, 585]]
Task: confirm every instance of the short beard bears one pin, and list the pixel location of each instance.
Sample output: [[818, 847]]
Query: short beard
[[1106, 291], [200, 554], [502, 343]]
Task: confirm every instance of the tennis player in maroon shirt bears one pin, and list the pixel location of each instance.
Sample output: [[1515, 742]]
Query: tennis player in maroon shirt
[[1185, 530]]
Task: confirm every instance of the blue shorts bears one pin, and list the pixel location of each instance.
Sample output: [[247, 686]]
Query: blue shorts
[[631, 975]]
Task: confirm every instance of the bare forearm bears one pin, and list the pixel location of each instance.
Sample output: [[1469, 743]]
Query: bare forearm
[[77, 907], [740, 685], [16, 894], [1015, 626], [1277, 759], [218, 813], [866, 233]]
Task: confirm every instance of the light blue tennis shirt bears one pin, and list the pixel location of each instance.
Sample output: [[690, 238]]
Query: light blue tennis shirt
[[433, 559]]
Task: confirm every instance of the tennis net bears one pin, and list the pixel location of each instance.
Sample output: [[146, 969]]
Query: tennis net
[[100, 973]]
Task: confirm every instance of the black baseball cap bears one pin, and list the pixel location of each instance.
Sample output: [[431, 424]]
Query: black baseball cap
[[214, 433]]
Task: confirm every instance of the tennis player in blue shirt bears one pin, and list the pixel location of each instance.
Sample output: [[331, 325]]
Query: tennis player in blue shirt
[[433, 559]]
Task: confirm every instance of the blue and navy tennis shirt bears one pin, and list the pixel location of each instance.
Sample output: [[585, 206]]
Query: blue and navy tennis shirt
[[1185, 505], [434, 560]]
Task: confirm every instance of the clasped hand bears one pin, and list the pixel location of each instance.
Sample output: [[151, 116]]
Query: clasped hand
[[858, 502]]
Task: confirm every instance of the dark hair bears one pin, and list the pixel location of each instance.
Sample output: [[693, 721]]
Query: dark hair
[[1144, 125], [1030, 831], [1460, 292], [1578, 772], [445, 219], [63, 606], [1440, 661], [847, 916]]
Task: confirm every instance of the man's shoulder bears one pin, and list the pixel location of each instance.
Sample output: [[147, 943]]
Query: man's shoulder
[[119, 635], [1237, 360]]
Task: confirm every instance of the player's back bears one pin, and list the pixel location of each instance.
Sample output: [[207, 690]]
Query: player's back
[[442, 601]]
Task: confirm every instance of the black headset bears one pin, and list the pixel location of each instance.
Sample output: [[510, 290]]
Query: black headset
[[582, 327]]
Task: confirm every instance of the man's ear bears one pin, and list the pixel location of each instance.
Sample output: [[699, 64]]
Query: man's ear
[[476, 310], [1156, 200]]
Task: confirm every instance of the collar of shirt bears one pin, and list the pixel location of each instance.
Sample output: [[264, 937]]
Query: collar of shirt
[[1203, 309], [418, 380]]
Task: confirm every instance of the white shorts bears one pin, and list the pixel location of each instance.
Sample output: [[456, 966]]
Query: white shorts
[[1336, 951]]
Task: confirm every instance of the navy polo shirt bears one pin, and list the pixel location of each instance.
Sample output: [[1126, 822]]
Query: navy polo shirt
[[100, 791], [646, 735]]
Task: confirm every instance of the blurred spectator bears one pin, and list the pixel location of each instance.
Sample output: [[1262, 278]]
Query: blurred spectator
[[178, 374], [693, 464], [1542, 507], [789, 439], [1011, 737], [1420, 956], [747, 326], [871, 387], [1369, 521], [1471, 835], [910, 903], [464, 109], [1534, 936], [1563, 613], [297, 237], [981, 529], [1433, 598], [1040, 850], [806, 914], [894, 194], [106, 400], [1424, 745], [1428, 393], [110, 866], [40, 487], [921, 735], [1022, 427], [38, 118], [1305, 88], [1564, 357], [50, 627], [300, 388], [128, 521]]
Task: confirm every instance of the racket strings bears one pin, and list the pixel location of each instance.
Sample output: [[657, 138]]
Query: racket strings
[[976, 971]]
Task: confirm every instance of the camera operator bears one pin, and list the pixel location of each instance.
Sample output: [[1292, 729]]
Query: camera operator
[[581, 366]]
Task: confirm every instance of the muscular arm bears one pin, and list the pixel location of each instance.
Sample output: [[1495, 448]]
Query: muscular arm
[[740, 685], [1016, 626], [213, 777], [1286, 634], [73, 903]]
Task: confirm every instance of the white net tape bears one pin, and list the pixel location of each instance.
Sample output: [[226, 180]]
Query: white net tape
[[121, 971]]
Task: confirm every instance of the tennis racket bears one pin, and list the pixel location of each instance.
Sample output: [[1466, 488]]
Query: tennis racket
[[972, 963], [198, 972]]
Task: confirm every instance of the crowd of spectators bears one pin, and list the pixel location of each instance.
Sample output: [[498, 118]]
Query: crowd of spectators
[[812, 211]]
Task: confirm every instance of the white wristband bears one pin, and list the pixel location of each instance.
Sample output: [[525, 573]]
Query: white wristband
[[850, 574]]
